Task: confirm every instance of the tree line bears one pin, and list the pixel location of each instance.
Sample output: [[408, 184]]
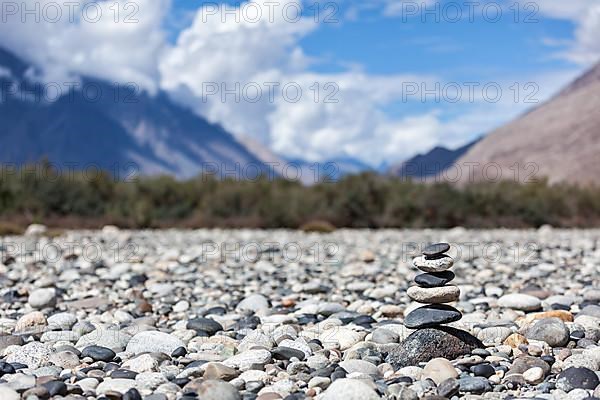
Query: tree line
[[358, 201]]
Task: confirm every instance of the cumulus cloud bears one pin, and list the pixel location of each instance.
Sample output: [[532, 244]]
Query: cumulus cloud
[[300, 114], [587, 46], [585, 14], [116, 40]]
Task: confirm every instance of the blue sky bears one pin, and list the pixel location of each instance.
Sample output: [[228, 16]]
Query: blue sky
[[372, 51], [387, 44], [380, 38]]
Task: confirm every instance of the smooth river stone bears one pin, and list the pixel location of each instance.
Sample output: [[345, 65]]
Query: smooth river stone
[[436, 295], [436, 279], [435, 249], [431, 316], [435, 265], [426, 344]]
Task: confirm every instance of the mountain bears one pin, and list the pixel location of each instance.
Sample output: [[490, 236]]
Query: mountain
[[559, 140], [430, 164], [110, 126], [324, 171], [307, 172]]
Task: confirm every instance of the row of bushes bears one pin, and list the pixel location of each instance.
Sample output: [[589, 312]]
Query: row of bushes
[[360, 201]]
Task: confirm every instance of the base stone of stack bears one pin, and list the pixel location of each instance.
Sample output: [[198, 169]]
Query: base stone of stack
[[426, 344]]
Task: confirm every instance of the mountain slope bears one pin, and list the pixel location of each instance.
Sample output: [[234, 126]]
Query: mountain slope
[[429, 164], [113, 127], [559, 140]]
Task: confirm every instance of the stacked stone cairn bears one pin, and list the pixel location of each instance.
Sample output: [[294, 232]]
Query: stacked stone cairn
[[433, 289], [431, 339]]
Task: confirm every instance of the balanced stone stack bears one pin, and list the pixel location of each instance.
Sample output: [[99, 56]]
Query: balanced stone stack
[[433, 289], [432, 339]]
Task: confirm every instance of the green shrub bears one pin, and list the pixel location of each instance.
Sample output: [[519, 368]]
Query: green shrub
[[360, 201]]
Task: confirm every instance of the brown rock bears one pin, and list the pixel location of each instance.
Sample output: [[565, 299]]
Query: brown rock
[[92, 302], [6, 341], [269, 396], [216, 370], [144, 307], [523, 363], [288, 302], [564, 316], [515, 340], [33, 322]]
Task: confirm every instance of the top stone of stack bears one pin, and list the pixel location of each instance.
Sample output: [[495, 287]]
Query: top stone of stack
[[434, 258], [436, 249]]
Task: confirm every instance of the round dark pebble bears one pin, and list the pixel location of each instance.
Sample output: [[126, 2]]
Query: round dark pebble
[[179, 352], [434, 279], [485, 370], [207, 325], [364, 320], [6, 368], [338, 374], [18, 365], [481, 352], [136, 280], [56, 388], [110, 366], [550, 360], [286, 353], [306, 319], [559, 307], [98, 353], [401, 379], [435, 249], [546, 387], [123, 374], [218, 310], [577, 335], [577, 378], [181, 382], [325, 372], [448, 388], [132, 394], [195, 364], [476, 385]]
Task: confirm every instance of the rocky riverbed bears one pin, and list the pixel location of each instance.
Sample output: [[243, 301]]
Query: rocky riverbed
[[268, 315]]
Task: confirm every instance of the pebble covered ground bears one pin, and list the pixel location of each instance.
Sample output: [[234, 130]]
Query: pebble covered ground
[[268, 315]]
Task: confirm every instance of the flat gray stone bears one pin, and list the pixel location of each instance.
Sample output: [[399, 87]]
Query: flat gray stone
[[431, 316], [434, 265], [435, 295], [153, 342]]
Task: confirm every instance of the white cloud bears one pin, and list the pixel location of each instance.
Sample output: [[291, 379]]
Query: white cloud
[[115, 40], [584, 49], [213, 51], [587, 44]]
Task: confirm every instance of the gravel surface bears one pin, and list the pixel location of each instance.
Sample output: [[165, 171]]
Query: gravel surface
[[240, 314]]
